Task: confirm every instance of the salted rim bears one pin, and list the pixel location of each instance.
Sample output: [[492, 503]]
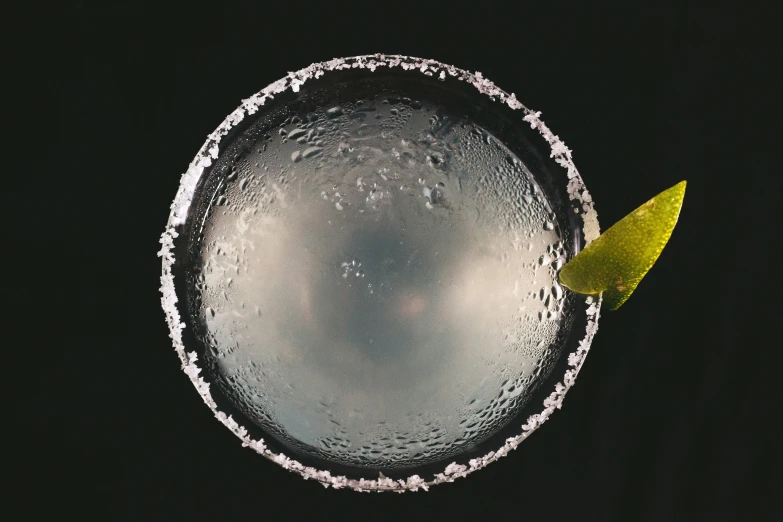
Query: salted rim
[[209, 152]]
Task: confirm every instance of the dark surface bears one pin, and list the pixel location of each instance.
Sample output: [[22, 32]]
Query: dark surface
[[671, 417]]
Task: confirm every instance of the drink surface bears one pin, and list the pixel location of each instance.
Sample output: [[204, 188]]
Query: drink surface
[[376, 281]]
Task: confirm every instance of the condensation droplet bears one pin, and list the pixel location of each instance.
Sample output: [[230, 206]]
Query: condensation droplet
[[312, 152]]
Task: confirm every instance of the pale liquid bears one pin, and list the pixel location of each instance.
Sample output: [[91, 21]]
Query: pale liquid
[[379, 284]]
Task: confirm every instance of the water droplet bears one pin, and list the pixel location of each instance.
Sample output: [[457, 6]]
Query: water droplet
[[296, 156], [311, 152], [549, 225], [438, 195], [374, 196], [338, 206], [296, 133]]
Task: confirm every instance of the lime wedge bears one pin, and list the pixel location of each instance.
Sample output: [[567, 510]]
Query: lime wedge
[[615, 262]]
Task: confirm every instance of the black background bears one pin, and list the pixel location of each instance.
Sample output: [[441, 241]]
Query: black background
[[672, 416]]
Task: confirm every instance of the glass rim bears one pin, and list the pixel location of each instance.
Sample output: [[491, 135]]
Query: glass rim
[[209, 152]]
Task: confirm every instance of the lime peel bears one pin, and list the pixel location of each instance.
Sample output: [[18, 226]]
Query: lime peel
[[617, 260]]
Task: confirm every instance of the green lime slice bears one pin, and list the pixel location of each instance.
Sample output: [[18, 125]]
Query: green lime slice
[[615, 262]]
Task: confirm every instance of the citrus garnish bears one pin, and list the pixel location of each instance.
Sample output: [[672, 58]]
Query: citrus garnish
[[615, 262]]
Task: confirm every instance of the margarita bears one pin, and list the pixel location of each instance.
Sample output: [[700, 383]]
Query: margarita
[[369, 266]]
